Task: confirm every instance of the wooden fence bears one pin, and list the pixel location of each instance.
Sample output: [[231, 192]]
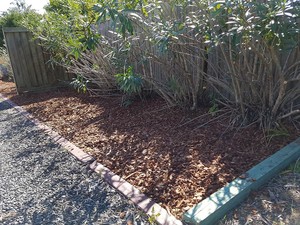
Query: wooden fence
[[29, 62]]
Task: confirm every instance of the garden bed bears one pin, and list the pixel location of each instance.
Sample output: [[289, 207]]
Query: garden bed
[[168, 153]]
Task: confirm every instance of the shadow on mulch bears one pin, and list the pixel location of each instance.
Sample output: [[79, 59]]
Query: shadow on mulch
[[171, 154]]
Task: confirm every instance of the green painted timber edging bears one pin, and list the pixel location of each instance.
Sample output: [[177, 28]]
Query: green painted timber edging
[[213, 208]]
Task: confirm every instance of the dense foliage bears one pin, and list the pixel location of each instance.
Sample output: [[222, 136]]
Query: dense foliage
[[240, 55], [16, 16], [67, 28]]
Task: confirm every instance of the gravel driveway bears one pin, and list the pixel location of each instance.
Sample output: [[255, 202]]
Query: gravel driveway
[[40, 183]]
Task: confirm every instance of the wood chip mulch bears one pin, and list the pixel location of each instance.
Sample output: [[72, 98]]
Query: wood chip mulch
[[165, 152]]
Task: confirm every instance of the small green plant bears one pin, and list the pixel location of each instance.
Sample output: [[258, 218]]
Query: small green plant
[[129, 82], [294, 167], [126, 101], [153, 217], [79, 83], [214, 108], [279, 131]]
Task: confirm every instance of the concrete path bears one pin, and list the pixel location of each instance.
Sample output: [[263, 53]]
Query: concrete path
[[41, 183]]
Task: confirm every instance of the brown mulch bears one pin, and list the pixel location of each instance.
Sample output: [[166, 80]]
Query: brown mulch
[[170, 154]]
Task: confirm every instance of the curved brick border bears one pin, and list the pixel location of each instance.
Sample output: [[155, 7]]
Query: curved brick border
[[131, 192]]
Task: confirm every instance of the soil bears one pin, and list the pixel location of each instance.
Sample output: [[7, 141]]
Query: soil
[[172, 155]]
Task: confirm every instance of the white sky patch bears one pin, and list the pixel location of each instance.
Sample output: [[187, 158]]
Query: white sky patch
[[35, 4]]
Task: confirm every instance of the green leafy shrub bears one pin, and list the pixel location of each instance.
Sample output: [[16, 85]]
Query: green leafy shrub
[[246, 54], [80, 84], [257, 72], [5, 66], [66, 29], [17, 16], [129, 82]]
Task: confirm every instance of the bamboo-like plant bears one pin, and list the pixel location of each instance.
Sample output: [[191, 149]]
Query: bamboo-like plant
[[258, 45], [96, 67], [168, 53], [244, 53]]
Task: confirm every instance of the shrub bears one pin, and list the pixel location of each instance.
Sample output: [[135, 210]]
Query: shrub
[[245, 54], [129, 82], [5, 66], [17, 16], [258, 47]]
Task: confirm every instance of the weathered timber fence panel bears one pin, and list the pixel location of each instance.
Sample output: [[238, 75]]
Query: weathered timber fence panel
[[29, 62]]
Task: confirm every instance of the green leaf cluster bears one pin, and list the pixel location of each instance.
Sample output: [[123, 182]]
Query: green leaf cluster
[[230, 47], [129, 82], [68, 29], [18, 16], [79, 84], [275, 22], [118, 13]]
